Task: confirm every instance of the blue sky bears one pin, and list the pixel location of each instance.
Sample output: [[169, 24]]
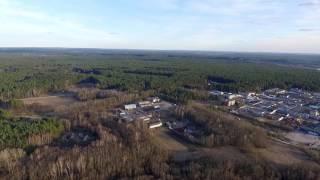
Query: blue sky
[[221, 25]]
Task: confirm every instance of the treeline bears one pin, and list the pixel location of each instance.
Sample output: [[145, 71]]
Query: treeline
[[148, 72], [32, 77], [183, 95], [210, 168], [21, 133], [260, 77], [12, 86], [220, 129]]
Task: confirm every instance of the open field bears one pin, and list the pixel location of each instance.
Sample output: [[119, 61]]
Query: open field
[[303, 138], [275, 152], [181, 149], [50, 100], [169, 141], [283, 154], [225, 153]]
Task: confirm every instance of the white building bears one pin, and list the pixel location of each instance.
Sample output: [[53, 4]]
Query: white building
[[251, 94], [230, 102], [315, 113], [155, 100], [144, 104], [130, 106], [146, 117], [216, 93], [155, 124]]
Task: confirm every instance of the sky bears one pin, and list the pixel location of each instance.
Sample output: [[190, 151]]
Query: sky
[[213, 25]]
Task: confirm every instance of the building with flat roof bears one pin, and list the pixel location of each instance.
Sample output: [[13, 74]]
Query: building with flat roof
[[145, 104], [154, 99], [155, 124], [130, 106]]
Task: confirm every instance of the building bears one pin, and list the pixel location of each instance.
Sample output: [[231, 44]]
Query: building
[[130, 107], [230, 103], [145, 104], [251, 94], [314, 113], [216, 93], [155, 100], [127, 118], [122, 112], [231, 96], [144, 117], [275, 91], [226, 99], [155, 124]]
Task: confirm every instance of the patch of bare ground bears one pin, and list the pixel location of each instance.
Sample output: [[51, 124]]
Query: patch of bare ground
[[50, 100], [219, 154], [301, 138], [164, 138], [184, 151], [275, 152], [282, 154], [77, 136], [181, 149]]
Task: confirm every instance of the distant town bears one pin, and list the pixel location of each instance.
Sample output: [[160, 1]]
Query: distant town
[[295, 109]]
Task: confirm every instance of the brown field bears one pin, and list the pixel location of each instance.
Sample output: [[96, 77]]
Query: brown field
[[275, 152], [53, 101], [184, 151], [164, 137], [283, 154]]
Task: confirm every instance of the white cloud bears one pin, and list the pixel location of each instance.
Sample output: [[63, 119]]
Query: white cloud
[[249, 25], [26, 26]]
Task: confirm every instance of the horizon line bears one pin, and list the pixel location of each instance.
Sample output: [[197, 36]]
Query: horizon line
[[167, 50]]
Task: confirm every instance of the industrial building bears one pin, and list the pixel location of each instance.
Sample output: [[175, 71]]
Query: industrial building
[[295, 106], [146, 111]]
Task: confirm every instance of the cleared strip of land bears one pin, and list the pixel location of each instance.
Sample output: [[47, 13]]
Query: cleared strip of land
[[52, 100]]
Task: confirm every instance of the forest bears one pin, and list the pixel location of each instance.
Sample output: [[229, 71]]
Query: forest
[[17, 133], [83, 139], [128, 151], [34, 74]]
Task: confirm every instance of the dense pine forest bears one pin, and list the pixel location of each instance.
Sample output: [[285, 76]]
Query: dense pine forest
[[30, 74]]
